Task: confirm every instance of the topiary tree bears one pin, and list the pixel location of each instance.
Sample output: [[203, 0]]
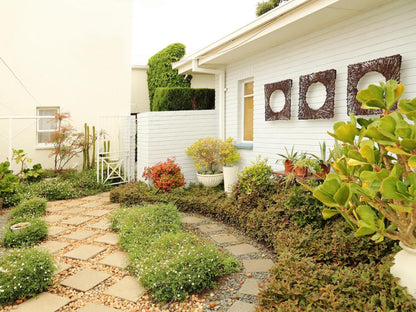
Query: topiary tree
[[160, 72]]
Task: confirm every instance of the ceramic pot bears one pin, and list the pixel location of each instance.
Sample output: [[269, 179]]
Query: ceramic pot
[[210, 180], [325, 170], [404, 267], [301, 171], [288, 166], [230, 178]]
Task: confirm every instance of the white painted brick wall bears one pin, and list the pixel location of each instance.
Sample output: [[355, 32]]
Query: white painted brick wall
[[385, 31]]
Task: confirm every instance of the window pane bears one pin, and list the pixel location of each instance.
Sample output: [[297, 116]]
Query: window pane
[[248, 119], [47, 111], [248, 88], [44, 137], [47, 124]]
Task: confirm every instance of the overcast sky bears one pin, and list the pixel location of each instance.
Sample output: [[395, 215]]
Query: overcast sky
[[195, 23]]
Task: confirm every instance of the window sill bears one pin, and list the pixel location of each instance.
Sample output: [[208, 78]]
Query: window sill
[[247, 146], [44, 147]]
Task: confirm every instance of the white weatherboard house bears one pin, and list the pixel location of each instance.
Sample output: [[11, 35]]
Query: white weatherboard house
[[61, 56], [286, 77]]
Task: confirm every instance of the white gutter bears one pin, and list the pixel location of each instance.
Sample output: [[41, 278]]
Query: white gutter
[[221, 96]]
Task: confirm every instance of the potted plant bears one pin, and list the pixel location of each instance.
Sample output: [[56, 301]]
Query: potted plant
[[288, 159], [229, 157], [374, 181], [301, 166], [324, 166], [206, 155]]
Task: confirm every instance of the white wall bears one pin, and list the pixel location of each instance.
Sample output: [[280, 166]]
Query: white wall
[[71, 54], [385, 31], [163, 135], [203, 81], [139, 92]]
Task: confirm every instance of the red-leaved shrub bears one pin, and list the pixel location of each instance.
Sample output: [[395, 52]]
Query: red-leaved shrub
[[165, 175]]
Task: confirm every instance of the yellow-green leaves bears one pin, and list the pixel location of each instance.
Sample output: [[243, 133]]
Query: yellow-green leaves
[[345, 132], [382, 96]]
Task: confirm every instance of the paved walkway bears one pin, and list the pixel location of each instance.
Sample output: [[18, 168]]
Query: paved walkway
[[92, 275]]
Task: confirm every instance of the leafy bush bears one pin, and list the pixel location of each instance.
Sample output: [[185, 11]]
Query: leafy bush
[[34, 233], [174, 99], [31, 208], [255, 177], [266, 6], [160, 72], [165, 176], [24, 273], [8, 183]]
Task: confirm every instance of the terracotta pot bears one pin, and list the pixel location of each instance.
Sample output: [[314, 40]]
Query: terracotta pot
[[210, 180], [301, 171], [325, 170], [288, 166], [404, 268]]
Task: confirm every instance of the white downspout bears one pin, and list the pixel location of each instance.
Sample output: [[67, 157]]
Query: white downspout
[[221, 96]]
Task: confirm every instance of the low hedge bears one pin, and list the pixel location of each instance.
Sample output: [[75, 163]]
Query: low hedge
[[31, 208], [34, 233], [174, 99]]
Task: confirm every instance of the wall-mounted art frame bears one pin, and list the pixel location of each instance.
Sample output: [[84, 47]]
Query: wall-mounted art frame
[[285, 86], [389, 67], [326, 111]]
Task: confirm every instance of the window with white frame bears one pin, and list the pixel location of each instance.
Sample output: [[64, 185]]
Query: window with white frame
[[247, 111], [45, 127]]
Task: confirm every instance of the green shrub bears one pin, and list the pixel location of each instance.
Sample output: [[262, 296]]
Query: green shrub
[[160, 72], [255, 177], [174, 99], [31, 208], [24, 273], [266, 6], [34, 233], [8, 184]]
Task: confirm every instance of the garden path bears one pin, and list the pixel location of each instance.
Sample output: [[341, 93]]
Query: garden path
[[92, 275]]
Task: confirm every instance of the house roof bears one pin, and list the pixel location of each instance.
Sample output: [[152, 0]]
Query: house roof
[[286, 22]]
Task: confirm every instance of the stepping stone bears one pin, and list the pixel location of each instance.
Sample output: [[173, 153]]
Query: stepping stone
[[250, 287], [241, 249], [208, 228], [109, 238], [101, 225], [53, 218], [191, 220], [92, 307], [128, 288], [55, 208], [110, 206], [53, 246], [80, 235], [55, 230], [92, 204], [74, 211], [97, 213], [45, 302], [117, 259], [259, 265], [84, 252], [240, 306], [224, 238], [62, 266], [76, 220], [85, 280]]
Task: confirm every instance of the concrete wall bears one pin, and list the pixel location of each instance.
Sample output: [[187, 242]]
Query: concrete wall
[[163, 135], [71, 54], [385, 31], [139, 92]]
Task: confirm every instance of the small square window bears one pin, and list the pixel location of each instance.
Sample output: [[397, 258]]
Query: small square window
[[45, 127]]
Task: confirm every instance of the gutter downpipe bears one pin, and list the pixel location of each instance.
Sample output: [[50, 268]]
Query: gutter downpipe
[[221, 96]]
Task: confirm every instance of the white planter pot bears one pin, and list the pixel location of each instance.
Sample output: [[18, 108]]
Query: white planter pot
[[210, 180], [404, 267], [230, 178]]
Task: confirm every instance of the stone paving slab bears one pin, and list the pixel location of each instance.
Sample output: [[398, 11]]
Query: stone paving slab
[[97, 212], [192, 220], [55, 208], [128, 288], [109, 238], [224, 238], [85, 279], [76, 220], [117, 259], [92, 204], [45, 302], [250, 287], [74, 211], [258, 265], [53, 246], [84, 252], [208, 228], [242, 249], [55, 230], [92, 307], [109, 205], [62, 266], [240, 306], [101, 225], [80, 235], [53, 218]]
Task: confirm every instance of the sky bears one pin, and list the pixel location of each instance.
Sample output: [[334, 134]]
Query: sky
[[195, 23]]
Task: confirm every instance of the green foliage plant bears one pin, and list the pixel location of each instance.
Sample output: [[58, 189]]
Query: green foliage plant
[[174, 99], [24, 273], [31, 208], [228, 153], [292, 155], [160, 72], [374, 185], [266, 6], [165, 175], [255, 176], [28, 236], [20, 157], [8, 181]]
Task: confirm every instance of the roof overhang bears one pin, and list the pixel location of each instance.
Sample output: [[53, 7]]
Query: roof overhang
[[284, 23]]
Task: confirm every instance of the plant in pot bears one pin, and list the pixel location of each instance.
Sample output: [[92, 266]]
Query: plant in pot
[[288, 159], [323, 162], [205, 153], [301, 166], [374, 181], [229, 157]]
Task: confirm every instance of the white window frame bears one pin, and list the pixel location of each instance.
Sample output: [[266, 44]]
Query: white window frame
[[44, 145], [243, 97]]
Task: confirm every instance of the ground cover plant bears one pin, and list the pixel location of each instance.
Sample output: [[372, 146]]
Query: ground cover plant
[[31, 208], [35, 231], [169, 262]]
